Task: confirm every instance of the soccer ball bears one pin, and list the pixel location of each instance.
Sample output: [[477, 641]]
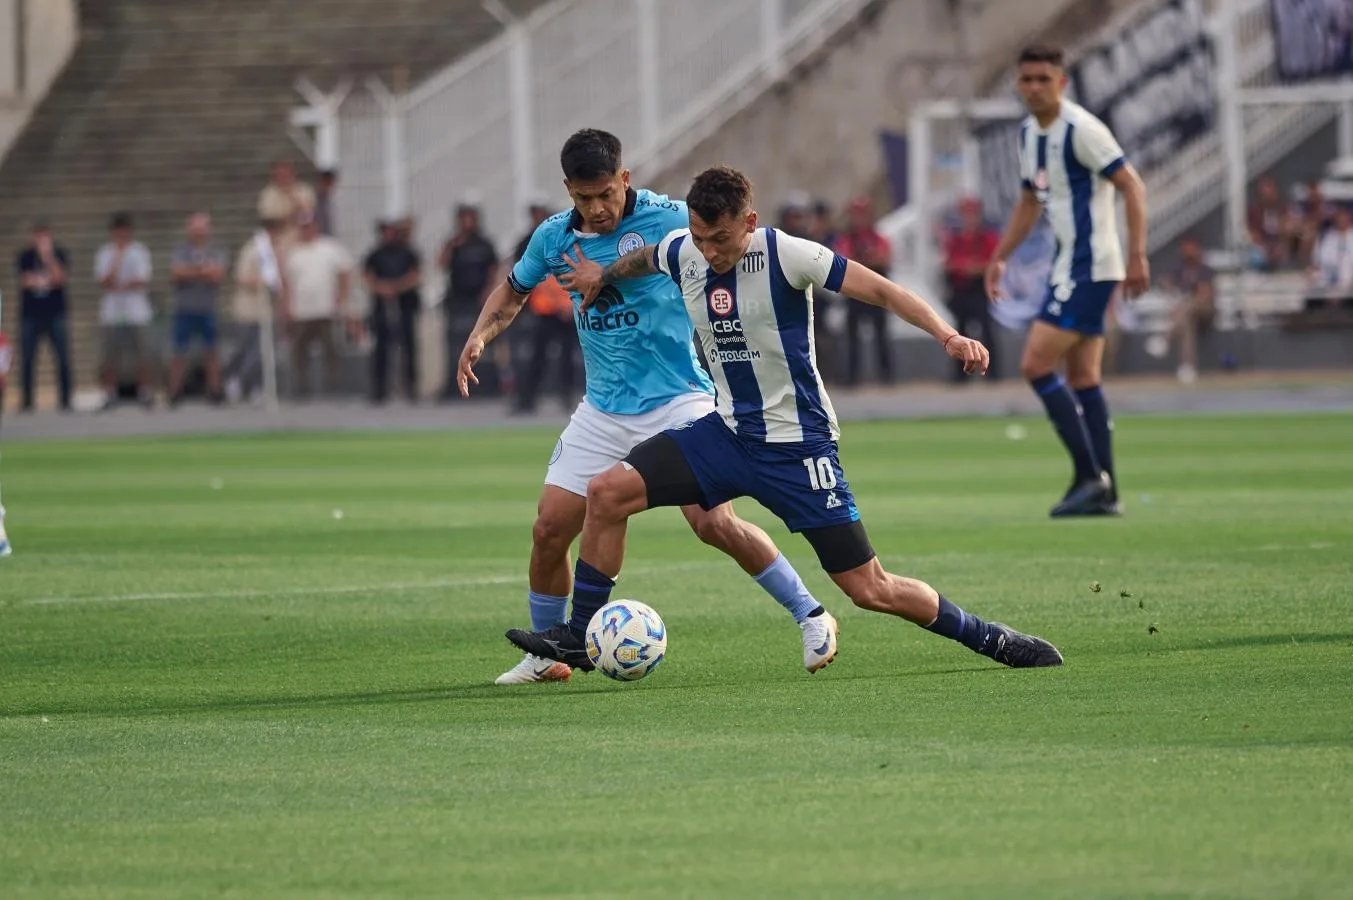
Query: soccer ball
[[626, 640]]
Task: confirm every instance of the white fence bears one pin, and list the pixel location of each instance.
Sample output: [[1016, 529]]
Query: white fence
[[661, 75]]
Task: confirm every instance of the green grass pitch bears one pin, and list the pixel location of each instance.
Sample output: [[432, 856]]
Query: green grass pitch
[[261, 666]]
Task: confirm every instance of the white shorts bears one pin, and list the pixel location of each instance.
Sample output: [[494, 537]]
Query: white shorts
[[595, 440]]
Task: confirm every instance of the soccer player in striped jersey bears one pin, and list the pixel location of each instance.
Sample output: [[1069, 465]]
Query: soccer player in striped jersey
[[1072, 167], [642, 377], [772, 437]]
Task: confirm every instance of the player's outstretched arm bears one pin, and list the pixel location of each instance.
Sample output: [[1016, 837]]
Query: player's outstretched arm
[[868, 286], [1022, 221], [499, 310], [586, 278], [1133, 189]]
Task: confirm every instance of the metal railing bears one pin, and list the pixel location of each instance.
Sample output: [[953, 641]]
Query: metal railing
[[662, 76]]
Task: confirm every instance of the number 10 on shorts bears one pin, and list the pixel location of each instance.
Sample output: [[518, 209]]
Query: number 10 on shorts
[[821, 473]]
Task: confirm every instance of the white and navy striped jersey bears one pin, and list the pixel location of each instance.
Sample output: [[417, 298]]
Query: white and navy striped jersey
[[1068, 165], [755, 323]]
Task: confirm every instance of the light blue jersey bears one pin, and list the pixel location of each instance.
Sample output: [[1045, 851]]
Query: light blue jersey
[[636, 337]]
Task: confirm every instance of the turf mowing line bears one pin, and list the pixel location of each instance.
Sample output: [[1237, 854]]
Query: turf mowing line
[[257, 593]]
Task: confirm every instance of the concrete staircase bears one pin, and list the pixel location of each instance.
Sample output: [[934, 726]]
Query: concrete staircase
[[817, 131], [168, 106]]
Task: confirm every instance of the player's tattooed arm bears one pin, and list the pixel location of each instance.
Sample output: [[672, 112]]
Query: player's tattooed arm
[[635, 264], [586, 278], [500, 309]]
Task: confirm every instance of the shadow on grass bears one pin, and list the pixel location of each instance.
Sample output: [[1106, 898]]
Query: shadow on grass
[[549, 693]]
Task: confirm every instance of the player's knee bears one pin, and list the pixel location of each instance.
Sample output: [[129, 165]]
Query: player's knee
[[611, 494], [1032, 368], [866, 588], [716, 530], [551, 532]]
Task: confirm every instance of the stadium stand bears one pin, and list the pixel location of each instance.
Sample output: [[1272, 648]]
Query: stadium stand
[[167, 107]]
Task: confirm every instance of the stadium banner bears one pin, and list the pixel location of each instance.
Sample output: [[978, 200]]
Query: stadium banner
[[1313, 38], [1153, 83]]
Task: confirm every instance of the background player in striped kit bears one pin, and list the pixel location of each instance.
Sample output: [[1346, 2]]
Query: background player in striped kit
[[1072, 167], [749, 293]]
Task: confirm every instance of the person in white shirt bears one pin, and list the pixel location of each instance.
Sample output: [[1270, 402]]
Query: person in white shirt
[[1332, 264], [1072, 167], [123, 268], [318, 276]]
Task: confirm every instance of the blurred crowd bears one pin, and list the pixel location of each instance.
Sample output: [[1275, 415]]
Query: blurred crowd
[[292, 289]]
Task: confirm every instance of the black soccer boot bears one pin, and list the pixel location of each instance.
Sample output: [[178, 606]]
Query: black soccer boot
[[559, 642], [1023, 651], [1087, 498]]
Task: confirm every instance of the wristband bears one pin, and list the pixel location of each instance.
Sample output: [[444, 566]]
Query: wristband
[[950, 338]]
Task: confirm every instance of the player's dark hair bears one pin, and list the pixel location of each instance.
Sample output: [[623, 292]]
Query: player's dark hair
[[1043, 53], [590, 154], [718, 192]]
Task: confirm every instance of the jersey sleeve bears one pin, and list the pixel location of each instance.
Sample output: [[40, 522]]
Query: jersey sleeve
[[808, 262], [667, 253], [1097, 149], [531, 269]]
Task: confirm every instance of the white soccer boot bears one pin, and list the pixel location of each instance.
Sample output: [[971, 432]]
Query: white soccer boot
[[532, 669], [819, 641]]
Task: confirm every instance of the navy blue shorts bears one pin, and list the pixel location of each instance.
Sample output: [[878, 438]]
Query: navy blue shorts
[[1080, 308], [189, 325], [801, 483]]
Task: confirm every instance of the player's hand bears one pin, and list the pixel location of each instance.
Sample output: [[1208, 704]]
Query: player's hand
[[995, 273], [474, 349], [583, 277], [976, 358], [1138, 275]]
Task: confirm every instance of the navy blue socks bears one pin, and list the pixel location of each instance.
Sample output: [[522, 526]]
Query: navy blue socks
[[1098, 422], [591, 591], [1066, 417], [967, 629]]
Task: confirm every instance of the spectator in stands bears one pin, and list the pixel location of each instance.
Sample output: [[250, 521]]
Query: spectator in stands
[[393, 273], [1332, 265], [324, 201], [198, 268], [1311, 220], [829, 307], [43, 268], [822, 228], [1273, 228], [967, 251], [123, 269], [471, 263], [286, 199], [862, 243], [552, 329], [318, 276], [794, 215], [258, 285], [1194, 307]]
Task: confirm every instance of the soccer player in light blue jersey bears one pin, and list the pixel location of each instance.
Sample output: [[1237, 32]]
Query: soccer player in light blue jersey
[[642, 377], [772, 436]]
